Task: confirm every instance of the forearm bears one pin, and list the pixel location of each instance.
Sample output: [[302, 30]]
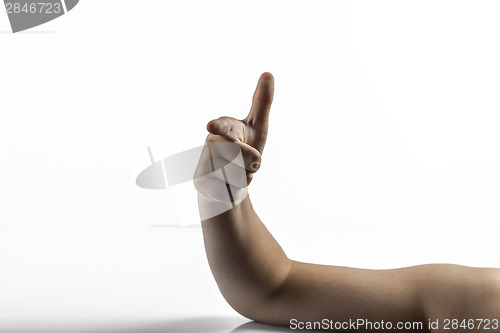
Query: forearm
[[246, 261]]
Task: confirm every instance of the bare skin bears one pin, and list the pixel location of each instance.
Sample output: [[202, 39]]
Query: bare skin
[[260, 282]]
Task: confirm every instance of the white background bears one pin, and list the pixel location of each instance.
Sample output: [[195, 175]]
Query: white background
[[382, 152]]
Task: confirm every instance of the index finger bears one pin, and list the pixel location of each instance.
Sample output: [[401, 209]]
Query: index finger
[[261, 102]]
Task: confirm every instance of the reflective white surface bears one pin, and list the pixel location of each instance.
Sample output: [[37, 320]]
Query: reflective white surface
[[149, 281]]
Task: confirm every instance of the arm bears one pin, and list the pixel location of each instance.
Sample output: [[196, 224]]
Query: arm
[[260, 282]]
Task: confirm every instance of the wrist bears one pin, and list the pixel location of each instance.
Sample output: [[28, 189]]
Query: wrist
[[210, 207]]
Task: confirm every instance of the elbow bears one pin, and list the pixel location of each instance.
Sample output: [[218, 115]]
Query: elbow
[[261, 301], [256, 310]]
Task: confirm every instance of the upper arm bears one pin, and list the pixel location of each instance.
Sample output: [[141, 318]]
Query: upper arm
[[409, 295], [316, 292], [459, 292]]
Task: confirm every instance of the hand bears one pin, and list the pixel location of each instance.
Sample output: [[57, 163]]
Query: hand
[[229, 136], [253, 129]]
